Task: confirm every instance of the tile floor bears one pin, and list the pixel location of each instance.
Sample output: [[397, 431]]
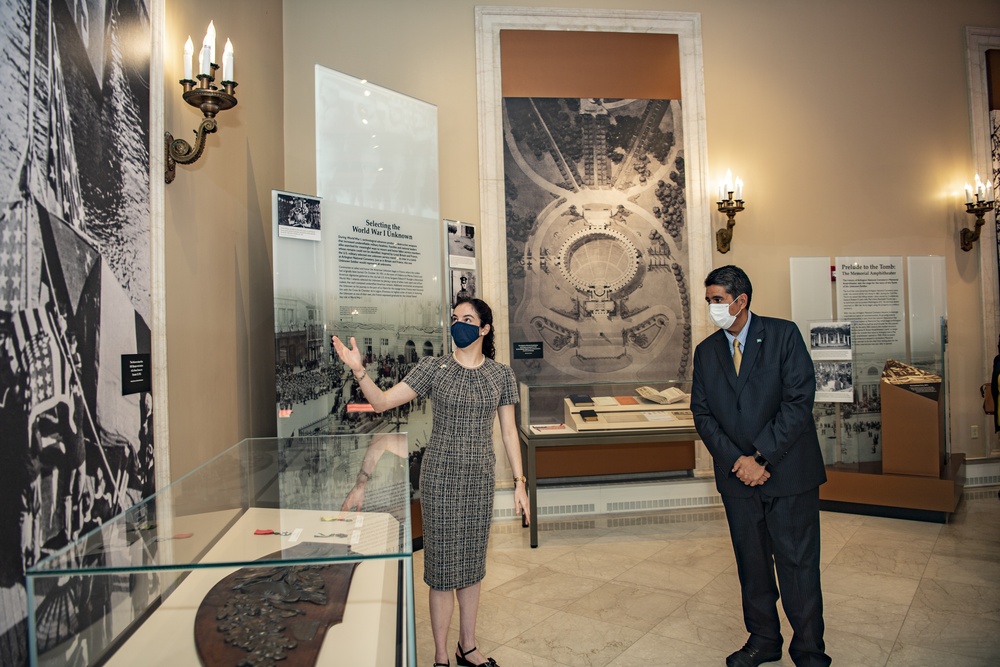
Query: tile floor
[[660, 589]]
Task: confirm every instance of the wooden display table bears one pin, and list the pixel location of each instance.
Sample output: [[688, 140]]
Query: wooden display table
[[568, 453]]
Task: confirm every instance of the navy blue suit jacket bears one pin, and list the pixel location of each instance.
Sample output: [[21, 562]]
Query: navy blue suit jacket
[[767, 408]]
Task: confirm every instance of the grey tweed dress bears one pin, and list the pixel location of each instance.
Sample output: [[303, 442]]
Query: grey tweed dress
[[457, 469]]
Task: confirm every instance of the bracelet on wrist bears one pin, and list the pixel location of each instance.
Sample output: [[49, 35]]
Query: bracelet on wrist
[[520, 478], [359, 376], [362, 473]]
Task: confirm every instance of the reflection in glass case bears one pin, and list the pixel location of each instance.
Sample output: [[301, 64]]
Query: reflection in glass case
[[554, 409], [852, 436], [277, 548]]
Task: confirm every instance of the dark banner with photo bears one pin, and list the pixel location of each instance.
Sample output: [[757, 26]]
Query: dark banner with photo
[[77, 445]]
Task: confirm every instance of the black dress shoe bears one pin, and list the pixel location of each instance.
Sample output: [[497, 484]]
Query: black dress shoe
[[751, 656]]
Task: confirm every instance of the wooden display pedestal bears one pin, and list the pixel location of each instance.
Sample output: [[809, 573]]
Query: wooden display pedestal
[[867, 489], [913, 429], [915, 479]]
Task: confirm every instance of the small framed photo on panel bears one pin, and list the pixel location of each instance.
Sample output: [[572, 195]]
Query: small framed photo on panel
[[297, 216]]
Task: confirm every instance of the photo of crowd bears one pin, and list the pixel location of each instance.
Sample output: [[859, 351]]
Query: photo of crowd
[[834, 381]]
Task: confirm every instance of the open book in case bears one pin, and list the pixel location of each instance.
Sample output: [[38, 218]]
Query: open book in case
[[551, 409]]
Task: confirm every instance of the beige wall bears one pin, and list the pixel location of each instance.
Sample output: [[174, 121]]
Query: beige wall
[[220, 350], [849, 122]]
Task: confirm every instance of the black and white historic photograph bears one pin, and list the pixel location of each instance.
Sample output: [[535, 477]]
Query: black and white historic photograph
[[463, 285], [861, 436], [297, 216], [861, 421], [74, 298], [851, 433], [825, 416], [597, 264], [461, 244], [830, 341], [834, 381]]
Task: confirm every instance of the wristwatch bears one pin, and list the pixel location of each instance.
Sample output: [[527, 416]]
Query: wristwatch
[[520, 478], [760, 460]]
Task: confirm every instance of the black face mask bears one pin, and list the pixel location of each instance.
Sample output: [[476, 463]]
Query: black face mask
[[464, 334]]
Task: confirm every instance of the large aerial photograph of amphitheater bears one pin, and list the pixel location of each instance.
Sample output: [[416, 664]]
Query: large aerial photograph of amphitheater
[[597, 250]]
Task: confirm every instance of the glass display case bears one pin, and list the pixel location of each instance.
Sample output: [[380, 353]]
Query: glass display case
[[853, 435], [603, 431], [555, 409], [277, 548]]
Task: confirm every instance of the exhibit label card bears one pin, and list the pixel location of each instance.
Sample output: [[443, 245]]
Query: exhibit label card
[[136, 373], [870, 295], [529, 350]]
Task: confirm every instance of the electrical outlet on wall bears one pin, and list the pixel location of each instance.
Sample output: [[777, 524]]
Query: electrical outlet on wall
[[975, 431]]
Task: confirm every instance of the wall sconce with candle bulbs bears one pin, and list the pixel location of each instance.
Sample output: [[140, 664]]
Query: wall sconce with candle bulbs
[[203, 94], [730, 202], [979, 207]]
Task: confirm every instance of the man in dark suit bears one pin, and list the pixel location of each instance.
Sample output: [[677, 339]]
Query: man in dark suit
[[757, 423]]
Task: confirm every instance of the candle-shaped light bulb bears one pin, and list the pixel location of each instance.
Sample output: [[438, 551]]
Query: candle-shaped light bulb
[[210, 39], [227, 62], [968, 193], [722, 192], [739, 189], [188, 57], [979, 188], [205, 60]]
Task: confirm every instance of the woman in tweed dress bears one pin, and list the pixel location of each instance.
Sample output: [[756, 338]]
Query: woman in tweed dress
[[468, 389]]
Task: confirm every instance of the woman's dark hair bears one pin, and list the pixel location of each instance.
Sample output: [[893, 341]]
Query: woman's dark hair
[[485, 314], [733, 280]]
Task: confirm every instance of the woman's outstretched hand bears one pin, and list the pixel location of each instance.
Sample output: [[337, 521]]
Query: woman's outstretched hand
[[349, 355], [355, 498]]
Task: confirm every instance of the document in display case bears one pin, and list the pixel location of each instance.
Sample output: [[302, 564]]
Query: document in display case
[[618, 416], [251, 558], [561, 409]]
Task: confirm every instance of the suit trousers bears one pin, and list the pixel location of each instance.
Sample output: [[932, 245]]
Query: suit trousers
[[780, 534]]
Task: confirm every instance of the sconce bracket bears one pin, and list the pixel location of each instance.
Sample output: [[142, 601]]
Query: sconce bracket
[[724, 237], [181, 152], [978, 209], [970, 236]]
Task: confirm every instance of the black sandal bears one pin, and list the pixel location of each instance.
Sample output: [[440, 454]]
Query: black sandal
[[460, 658]]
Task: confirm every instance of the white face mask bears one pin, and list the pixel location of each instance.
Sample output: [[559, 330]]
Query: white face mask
[[719, 312]]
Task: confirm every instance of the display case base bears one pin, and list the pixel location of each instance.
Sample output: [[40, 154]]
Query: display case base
[[370, 620], [867, 490]]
